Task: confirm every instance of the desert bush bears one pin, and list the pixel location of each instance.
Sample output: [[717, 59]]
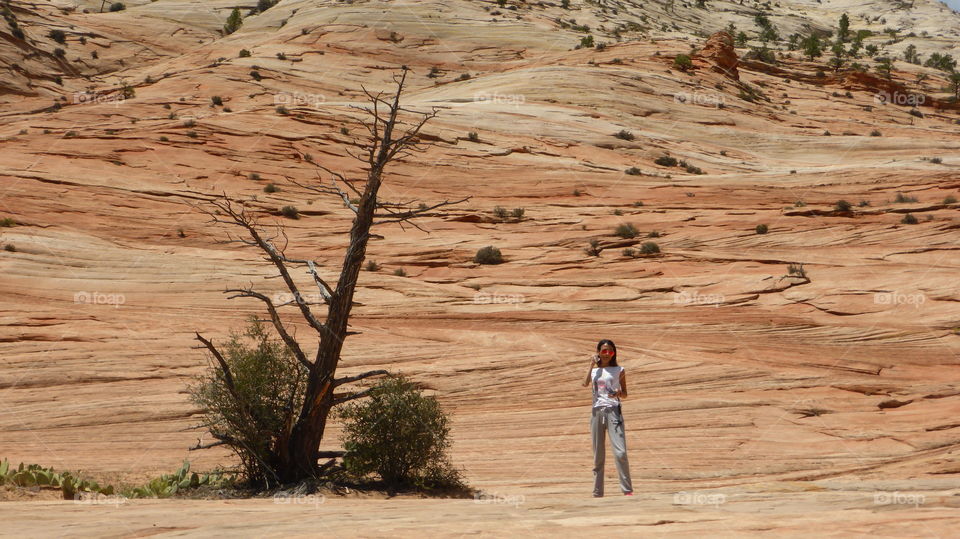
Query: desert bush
[[626, 231], [666, 161], [270, 188], [762, 229], [903, 199], [372, 266], [623, 134], [488, 255], [842, 206], [58, 35], [909, 219], [500, 212], [796, 270], [649, 248], [593, 248], [269, 386], [290, 212], [400, 435]]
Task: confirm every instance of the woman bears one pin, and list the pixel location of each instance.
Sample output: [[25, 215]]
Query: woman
[[609, 386]]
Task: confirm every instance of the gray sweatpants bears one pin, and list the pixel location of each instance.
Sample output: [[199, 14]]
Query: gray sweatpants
[[609, 420]]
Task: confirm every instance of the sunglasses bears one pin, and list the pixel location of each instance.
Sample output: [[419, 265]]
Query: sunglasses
[[606, 352]]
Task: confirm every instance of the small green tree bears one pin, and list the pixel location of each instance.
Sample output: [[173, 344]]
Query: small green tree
[[400, 435], [812, 47], [844, 30], [234, 22]]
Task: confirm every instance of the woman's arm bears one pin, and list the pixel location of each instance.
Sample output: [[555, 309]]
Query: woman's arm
[[593, 362], [623, 384]]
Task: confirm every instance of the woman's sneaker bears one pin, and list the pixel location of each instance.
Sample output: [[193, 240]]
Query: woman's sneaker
[[628, 493]]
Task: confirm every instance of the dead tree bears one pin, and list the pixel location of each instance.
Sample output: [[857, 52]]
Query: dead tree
[[296, 455]]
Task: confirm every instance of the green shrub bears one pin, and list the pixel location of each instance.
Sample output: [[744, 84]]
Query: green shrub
[[909, 219], [638, 204], [936, 160], [7, 222], [244, 53], [270, 188], [400, 435], [950, 199], [473, 136], [593, 248], [500, 212], [400, 272], [290, 212], [255, 75], [192, 134], [683, 62], [488, 255], [649, 248], [842, 206], [623, 134], [633, 171], [282, 110], [117, 6], [902, 199], [372, 266], [626, 231], [690, 168], [875, 133], [517, 213], [58, 35], [666, 161], [796, 270], [762, 229], [216, 101], [653, 234], [268, 380]]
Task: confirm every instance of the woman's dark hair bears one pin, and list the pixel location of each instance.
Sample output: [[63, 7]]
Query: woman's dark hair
[[613, 360]]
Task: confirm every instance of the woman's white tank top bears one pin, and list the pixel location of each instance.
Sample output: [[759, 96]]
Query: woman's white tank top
[[605, 384]]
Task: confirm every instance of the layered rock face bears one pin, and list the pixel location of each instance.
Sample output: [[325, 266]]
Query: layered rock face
[[810, 371]]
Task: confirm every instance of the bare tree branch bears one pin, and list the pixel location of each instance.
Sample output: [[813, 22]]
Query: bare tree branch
[[340, 398], [347, 379], [291, 343]]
